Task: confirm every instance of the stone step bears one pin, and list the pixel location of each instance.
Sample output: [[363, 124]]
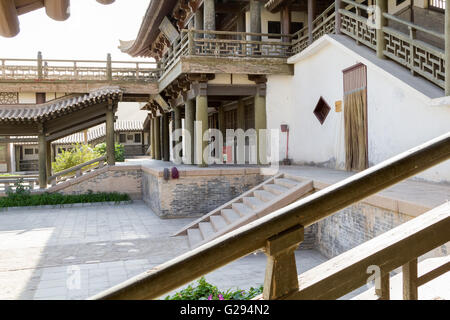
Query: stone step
[[253, 202], [264, 195], [230, 215], [284, 182], [218, 222], [293, 178], [275, 189], [242, 209], [194, 236], [206, 229]]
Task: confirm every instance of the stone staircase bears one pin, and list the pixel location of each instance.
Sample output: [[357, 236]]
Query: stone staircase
[[273, 194]]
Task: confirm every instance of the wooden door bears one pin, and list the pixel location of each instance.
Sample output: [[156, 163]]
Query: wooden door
[[355, 118]]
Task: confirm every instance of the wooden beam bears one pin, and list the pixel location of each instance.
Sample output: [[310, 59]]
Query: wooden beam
[[9, 21], [75, 128]]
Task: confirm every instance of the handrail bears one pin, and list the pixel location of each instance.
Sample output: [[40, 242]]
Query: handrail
[[77, 169], [414, 26], [351, 266], [303, 213]]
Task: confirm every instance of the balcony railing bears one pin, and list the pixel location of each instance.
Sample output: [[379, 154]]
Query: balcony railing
[[227, 44], [77, 70], [280, 233]]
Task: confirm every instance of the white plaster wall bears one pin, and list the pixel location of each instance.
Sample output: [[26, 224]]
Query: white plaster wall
[[399, 117]]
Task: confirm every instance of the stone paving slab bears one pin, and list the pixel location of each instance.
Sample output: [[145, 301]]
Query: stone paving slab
[[74, 253]]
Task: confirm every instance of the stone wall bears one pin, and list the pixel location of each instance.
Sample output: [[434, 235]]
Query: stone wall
[[123, 179], [196, 192], [357, 224]]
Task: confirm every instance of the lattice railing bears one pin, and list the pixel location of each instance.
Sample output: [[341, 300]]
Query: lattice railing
[[420, 57], [325, 23], [239, 44], [77, 70], [354, 24]]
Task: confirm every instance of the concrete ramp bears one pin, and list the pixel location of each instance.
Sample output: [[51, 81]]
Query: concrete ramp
[[273, 194]]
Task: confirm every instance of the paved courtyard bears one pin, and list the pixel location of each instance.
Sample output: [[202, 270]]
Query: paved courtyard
[[74, 253]]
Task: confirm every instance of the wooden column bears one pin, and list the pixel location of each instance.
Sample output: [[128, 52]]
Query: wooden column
[[338, 20], [49, 160], [157, 138], [189, 127], [209, 17], [176, 124], [241, 114], [165, 137], [311, 17], [42, 158], [286, 22], [201, 118], [255, 19], [199, 22], [150, 138], [240, 23], [261, 118], [381, 22], [281, 271], [447, 48], [110, 141]]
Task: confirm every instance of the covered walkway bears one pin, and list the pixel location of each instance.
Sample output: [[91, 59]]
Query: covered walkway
[[58, 119]]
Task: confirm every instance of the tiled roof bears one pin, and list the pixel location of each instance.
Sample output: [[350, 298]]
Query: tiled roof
[[100, 131], [94, 133], [56, 108]]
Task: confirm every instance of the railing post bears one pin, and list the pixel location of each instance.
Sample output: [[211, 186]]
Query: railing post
[[337, 20], [381, 23], [311, 15], [412, 35], [191, 43], [447, 48], [3, 69], [384, 291], [281, 271], [108, 67], [75, 70], [410, 285], [39, 65]]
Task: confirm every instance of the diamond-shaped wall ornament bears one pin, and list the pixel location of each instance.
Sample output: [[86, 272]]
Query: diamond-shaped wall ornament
[[322, 110]]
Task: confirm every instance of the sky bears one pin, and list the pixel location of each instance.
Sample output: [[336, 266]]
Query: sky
[[92, 31]]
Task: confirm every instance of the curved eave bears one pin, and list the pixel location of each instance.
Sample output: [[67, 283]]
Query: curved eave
[[149, 29], [11, 9]]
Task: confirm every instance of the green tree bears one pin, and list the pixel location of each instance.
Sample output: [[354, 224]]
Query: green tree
[[78, 155], [119, 151]]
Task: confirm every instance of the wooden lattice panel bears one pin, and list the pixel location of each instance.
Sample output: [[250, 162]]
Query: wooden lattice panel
[[357, 28], [9, 98], [415, 55]]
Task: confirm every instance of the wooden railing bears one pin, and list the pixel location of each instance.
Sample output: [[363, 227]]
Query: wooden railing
[[77, 70], [420, 57], [280, 233], [10, 182], [77, 171], [227, 44]]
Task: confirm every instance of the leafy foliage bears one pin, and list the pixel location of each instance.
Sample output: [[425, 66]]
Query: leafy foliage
[[207, 291], [119, 151], [22, 197], [78, 155]]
